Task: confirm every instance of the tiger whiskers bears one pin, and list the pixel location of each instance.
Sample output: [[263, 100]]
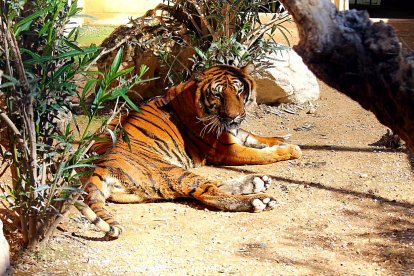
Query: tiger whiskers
[[211, 123]]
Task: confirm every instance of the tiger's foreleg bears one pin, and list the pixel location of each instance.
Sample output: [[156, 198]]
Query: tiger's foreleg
[[251, 140], [243, 148]]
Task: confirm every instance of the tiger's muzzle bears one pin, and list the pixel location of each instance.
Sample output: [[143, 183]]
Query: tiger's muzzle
[[232, 123]]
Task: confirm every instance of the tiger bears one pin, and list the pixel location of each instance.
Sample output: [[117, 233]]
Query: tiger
[[194, 123]]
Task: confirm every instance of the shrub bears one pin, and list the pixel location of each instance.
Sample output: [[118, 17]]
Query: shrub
[[42, 65]]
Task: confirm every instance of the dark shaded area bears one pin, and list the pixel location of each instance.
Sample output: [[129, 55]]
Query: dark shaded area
[[352, 149], [388, 9], [310, 184]]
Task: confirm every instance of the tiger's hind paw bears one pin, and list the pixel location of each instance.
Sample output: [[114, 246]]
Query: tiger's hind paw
[[261, 183], [251, 184], [263, 204]]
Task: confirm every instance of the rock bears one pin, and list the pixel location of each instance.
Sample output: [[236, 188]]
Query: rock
[[4, 253], [288, 80]]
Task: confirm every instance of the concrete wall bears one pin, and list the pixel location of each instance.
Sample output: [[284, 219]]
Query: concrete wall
[[117, 12], [113, 12], [341, 4]]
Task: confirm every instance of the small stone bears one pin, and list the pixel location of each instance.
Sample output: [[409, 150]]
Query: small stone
[[312, 110]]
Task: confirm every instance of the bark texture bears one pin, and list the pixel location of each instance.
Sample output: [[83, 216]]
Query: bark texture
[[362, 59]]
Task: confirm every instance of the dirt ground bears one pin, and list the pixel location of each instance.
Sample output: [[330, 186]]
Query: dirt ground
[[345, 208]]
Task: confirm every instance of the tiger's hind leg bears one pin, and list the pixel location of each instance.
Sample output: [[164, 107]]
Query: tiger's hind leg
[[212, 195], [100, 187], [240, 195]]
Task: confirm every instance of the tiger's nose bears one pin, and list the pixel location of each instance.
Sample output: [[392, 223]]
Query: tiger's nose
[[234, 123]]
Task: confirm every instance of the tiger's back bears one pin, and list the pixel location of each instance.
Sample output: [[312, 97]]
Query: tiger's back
[[194, 123]]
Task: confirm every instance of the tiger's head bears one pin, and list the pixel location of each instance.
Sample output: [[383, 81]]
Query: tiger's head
[[223, 93]]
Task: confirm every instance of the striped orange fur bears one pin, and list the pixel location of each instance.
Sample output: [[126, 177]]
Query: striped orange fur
[[194, 123]]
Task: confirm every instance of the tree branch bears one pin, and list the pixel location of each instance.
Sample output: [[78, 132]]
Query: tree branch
[[361, 59]]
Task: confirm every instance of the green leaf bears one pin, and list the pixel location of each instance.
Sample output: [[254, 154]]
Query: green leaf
[[89, 84], [73, 45], [200, 53], [115, 65], [41, 188], [69, 54], [113, 136], [32, 54], [45, 28], [125, 137], [62, 70], [124, 72], [79, 166], [283, 31], [129, 102], [25, 22]]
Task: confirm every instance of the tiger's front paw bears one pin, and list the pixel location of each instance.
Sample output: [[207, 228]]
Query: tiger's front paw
[[296, 151], [263, 203], [288, 151]]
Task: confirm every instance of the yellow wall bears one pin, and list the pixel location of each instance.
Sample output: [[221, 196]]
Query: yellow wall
[[341, 4], [114, 12]]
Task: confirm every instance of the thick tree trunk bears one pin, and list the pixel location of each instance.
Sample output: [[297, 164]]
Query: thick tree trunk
[[362, 59]]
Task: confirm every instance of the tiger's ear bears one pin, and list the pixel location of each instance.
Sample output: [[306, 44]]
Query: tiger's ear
[[248, 68]]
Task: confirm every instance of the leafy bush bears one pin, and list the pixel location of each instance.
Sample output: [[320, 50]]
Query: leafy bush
[[208, 32], [42, 65], [233, 32]]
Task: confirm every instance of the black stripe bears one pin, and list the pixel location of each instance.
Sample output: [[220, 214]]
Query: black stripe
[[146, 147], [131, 179], [206, 190], [181, 178], [163, 149], [96, 220], [154, 185], [168, 169], [192, 192], [162, 144], [99, 176], [169, 183], [132, 156], [168, 123], [181, 154], [150, 134]]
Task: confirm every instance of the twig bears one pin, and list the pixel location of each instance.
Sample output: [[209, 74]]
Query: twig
[[258, 32], [106, 51], [9, 122], [203, 18], [73, 237]]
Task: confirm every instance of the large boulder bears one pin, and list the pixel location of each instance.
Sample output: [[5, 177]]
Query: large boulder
[[4, 253], [288, 80]]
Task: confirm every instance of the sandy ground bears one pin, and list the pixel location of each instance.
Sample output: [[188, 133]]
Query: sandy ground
[[345, 208]]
